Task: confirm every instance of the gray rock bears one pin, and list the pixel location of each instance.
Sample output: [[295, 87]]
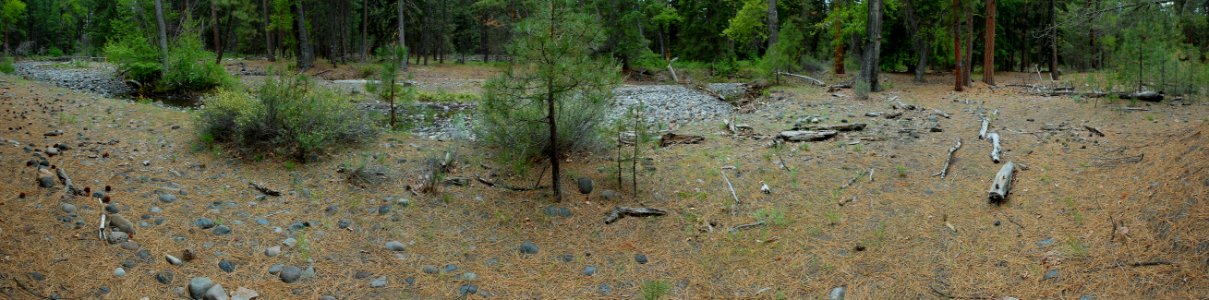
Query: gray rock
[[46, 181], [837, 293], [344, 223], [467, 289], [215, 293], [198, 286], [640, 258], [568, 257], [119, 272], [385, 208], [1051, 274], [584, 184], [605, 289], [117, 237], [1045, 243], [1087, 297], [243, 293], [610, 195], [222, 230], [449, 268], [226, 266], [52, 151], [156, 209], [204, 223], [469, 276], [289, 242], [589, 271], [430, 269], [362, 274], [68, 208], [130, 245], [173, 260], [272, 251], [112, 208], [290, 274], [262, 221], [378, 282], [164, 277], [167, 198], [275, 269], [394, 246], [327, 297], [528, 247]]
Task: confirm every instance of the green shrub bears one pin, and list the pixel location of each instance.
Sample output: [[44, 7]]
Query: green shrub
[[54, 52], [6, 65], [134, 57], [190, 66], [287, 116], [652, 290]]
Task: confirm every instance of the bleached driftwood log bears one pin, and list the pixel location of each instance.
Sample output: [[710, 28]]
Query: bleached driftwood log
[[982, 133], [806, 135], [995, 150], [621, 212], [835, 127], [673, 71], [1002, 184], [806, 78], [945, 170]]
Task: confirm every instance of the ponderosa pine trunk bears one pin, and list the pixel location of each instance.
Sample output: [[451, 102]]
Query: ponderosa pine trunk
[[958, 84], [1053, 41], [402, 33], [772, 23], [870, 63], [988, 52], [364, 32], [214, 30], [306, 55], [268, 32], [163, 33]]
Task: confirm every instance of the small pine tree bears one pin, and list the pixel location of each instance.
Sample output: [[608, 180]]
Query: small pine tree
[[386, 86]]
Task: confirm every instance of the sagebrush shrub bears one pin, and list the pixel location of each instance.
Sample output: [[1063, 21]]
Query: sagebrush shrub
[[286, 116]]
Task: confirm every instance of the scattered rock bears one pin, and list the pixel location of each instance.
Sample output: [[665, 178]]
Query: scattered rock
[[173, 260], [119, 272], [467, 289], [605, 289], [117, 237], [290, 274], [222, 230], [243, 293], [130, 245], [272, 251], [394, 246], [385, 208], [362, 274], [837, 293], [528, 247], [568, 257], [167, 198], [1087, 297], [1051, 274], [610, 195], [52, 151], [344, 223], [275, 269], [204, 223], [215, 293], [55, 132], [68, 208], [164, 277], [289, 242], [1045, 243], [584, 184], [226, 266], [449, 268], [378, 282], [640, 258], [469, 276], [430, 269], [198, 286], [589, 271]]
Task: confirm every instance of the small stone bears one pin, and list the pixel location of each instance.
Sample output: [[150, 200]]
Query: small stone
[[204, 223], [1087, 297], [394, 246], [68, 208], [215, 293], [46, 181], [362, 274], [222, 230], [589, 271], [262, 221], [117, 237], [605, 289], [226, 266], [275, 269], [469, 276], [272, 251], [410, 281], [1045, 243], [467, 289], [156, 209], [290, 274], [173, 260], [112, 208], [327, 297], [449, 268], [243, 293], [1051, 274], [385, 208], [198, 286], [640, 258], [37, 276], [167, 198], [130, 245], [119, 272], [528, 247], [584, 184], [610, 195], [568, 257], [837, 293], [378, 282], [289, 242], [430, 269], [164, 277], [344, 223]]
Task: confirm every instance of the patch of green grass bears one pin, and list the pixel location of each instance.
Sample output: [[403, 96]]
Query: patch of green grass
[[1075, 215], [879, 232], [804, 147], [1075, 249], [771, 216], [1150, 117], [833, 217], [303, 245], [901, 170], [857, 148], [446, 97], [290, 165], [655, 289], [68, 119]]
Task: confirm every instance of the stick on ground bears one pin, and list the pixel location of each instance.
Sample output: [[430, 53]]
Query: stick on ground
[[620, 212], [728, 185], [945, 170]]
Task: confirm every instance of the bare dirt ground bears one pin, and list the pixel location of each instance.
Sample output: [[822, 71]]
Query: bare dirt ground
[[1113, 217]]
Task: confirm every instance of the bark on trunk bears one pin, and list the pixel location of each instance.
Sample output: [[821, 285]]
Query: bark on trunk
[[839, 49], [772, 23], [402, 33], [163, 33], [958, 84], [1002, 183], [268, 33], [988, 52], [918, 41], [364, 32], [214, 30], [1053, 41], [995, 149], [870, 63], [306, 55]]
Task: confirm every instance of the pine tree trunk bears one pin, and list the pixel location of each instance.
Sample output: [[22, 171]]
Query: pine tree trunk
[[306, 55], [988, 52], [364, 31], [268, 33], [918, 42], [958, 80], [968, 26], [402, 32], [214, 30], [1053, 41], [870, 63], [838, 58], [772, 23], [163, 33]]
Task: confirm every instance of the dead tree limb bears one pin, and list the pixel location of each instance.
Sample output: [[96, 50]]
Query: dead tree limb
[[67, 186], [263, 189], [982, 132], [1002, 184], [945, 170], [673, 71], [854, 179], [747, 226], [806, 135], [806, 78], [728, 185], [995, 149], [1094, 130], [835, 127], [621, 212]]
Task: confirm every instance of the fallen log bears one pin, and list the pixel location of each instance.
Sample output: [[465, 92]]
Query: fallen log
[[728, 185], [893, 115], [67, 186], [836, 87], [903, 106], [1128, 108], [945, 170], [806, 135], [835, 127], [1002, 183], [1094, 130], [670, 69], [982, 133], [620, 212], [491, 183], [263, 189], [806, 78], [995, 149], [669, 139], [746, 226], [1147, 96]]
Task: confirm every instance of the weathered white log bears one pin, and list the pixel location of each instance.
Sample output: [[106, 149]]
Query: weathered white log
[[995, 150], [1002, 183], [836, 127], [70, 188], [669, 69], [1144, 96], [806, 135], [945, 170], [621, 212], [728, 185], [811, 80], [982, 133]]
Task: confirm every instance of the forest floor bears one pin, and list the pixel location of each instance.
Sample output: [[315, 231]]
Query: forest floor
[[1117, 216]]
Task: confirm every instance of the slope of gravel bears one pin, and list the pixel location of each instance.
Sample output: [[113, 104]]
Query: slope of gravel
[[676, 103], [96, 78]]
